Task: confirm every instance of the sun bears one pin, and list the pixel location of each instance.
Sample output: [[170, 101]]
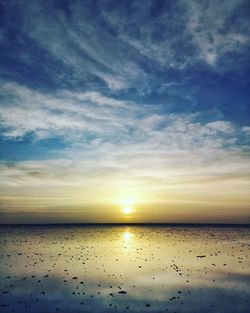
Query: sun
[[127, 205], [127, 210]]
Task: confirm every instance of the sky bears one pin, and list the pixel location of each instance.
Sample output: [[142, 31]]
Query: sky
[[125, 111]]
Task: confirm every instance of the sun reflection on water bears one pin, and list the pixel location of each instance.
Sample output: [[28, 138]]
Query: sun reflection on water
[[127, 236]]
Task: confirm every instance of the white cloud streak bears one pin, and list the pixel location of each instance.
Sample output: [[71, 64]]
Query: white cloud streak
[[114, 53], [128, 141]]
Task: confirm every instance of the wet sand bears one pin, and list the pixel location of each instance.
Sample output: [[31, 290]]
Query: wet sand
[[124, 269]]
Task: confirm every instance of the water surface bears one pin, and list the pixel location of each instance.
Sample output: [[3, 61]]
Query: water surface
[[124, 269]]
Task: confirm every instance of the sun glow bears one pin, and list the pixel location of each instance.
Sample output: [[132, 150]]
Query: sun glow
[[127, 205], [127, 210], [128, 202]]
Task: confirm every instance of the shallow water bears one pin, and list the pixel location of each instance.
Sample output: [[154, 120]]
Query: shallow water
[[124, 269]]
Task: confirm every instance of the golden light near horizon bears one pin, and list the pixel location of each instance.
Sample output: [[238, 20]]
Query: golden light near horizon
[[127, 206], [128, 200], [127, 210]]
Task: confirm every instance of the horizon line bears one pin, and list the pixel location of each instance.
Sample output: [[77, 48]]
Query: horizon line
[[130, 224]]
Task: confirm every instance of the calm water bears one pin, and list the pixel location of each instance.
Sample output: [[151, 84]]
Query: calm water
[[124, 269]]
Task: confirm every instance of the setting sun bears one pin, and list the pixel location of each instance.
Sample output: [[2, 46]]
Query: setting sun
[[127, 210]]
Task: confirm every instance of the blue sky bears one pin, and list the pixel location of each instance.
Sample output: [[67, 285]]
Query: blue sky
[[144, 94]]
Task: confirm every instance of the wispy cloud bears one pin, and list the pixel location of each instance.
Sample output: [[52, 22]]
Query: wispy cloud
[[124, 136], [73, 114], [213, 31], [115, 45], [63, 114]]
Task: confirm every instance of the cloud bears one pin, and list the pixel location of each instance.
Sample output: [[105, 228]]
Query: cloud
[[63, 114], [212, 31], [180, 55], [106, 136], [183, 170], [72, 115], [122, 47]]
